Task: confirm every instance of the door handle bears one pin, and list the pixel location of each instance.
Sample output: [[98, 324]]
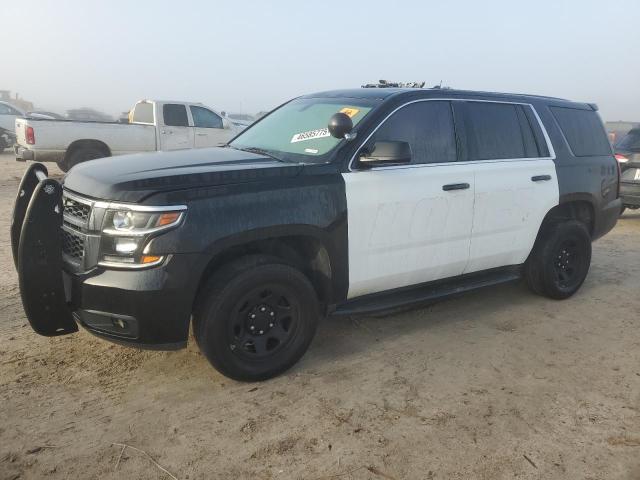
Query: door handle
[[455, 186], [540, 178], [201, 134]]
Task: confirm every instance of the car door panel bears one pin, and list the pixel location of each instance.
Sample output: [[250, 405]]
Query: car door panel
[[175, 133], [509, 208], [404, 229]]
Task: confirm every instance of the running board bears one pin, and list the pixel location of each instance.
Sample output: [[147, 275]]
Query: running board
[[406, 298]]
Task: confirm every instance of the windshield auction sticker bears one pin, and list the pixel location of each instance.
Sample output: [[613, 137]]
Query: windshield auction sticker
[[310, 135], [350, 111]]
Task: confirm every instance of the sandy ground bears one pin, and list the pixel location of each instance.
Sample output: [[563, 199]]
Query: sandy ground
[[496, 384]]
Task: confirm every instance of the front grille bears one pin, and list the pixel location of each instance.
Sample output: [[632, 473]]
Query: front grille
[[75, 209], [73, 244]]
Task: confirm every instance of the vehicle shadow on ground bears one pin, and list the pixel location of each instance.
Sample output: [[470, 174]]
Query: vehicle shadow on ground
[[342, 337]]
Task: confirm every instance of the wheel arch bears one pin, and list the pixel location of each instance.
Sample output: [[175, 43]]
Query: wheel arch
[[83, 143], [305, 247], [571, 207]]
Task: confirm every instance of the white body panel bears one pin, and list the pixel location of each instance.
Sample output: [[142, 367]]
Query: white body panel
[[404, 229], [509, 209], [176, 138], [211, 137]]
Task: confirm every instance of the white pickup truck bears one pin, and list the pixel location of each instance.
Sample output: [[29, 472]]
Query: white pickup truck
[[153, 125]]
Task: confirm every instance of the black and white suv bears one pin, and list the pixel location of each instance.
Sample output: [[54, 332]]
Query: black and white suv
[[336, 203]]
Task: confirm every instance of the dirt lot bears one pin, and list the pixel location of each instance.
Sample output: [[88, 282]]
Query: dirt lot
[[496, 384]]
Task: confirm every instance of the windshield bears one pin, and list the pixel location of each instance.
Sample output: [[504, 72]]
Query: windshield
[[298, 132], [631, 141]]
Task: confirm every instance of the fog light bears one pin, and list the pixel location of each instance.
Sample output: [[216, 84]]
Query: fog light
[[126, 245], [118, 322]]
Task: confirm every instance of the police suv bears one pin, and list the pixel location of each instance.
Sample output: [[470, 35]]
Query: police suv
[[336, 203]]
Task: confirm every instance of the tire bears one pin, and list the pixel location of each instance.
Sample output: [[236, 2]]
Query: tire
[[255, 318], [560, 260], [80, 155]]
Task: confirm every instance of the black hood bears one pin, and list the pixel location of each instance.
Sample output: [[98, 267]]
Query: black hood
[[131, 178]]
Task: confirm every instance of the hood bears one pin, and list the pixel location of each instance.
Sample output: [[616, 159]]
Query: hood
[[131, 178]]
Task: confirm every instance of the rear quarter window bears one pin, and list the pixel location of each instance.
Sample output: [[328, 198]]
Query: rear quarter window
[[583, 130]]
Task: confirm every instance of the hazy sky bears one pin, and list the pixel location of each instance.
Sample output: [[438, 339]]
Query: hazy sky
[[252, 55]]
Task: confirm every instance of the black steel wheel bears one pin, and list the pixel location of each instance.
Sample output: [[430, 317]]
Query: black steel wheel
[[255, 318], [560, 260]]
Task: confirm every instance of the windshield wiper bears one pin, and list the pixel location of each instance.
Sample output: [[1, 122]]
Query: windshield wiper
[[260, 151]]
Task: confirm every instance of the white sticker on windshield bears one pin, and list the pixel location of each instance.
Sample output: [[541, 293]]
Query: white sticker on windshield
[[315, 150], [310, 135]]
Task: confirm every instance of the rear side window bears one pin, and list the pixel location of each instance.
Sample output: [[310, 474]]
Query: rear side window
[[583, 130], [175, 115], [493, 131], [143, 113], [427, 127], [205, 118]]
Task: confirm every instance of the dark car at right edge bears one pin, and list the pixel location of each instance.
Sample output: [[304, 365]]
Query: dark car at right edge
[[627, 152]]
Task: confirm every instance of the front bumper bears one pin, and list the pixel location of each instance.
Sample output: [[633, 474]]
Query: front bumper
[[148, 308], [145, 308]]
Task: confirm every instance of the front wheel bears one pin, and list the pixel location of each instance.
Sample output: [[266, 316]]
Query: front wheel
[[255, 318], [560, 260]]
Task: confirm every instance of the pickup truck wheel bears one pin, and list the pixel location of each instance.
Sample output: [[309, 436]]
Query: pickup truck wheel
[[560, 260], [80, 155], [255, 318]]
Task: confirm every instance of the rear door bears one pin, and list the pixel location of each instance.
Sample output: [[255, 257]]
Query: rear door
[[515, 180], [406, 226], [175, 131], [208, 127]]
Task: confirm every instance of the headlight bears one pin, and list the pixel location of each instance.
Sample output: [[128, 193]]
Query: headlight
[[127, 231]]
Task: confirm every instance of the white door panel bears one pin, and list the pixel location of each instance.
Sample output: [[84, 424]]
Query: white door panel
[[404, 229], [176, 138], [509, 209], [211, 137]]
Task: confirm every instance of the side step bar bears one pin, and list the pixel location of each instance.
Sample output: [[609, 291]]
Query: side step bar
[[411, 297], [36, 243]]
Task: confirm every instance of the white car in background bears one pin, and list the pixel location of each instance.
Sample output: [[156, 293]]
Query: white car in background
[[8, 115], [153, 125]]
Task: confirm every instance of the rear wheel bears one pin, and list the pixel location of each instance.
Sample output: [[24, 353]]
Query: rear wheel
[[80, 155], [255, 318], [560, 260]]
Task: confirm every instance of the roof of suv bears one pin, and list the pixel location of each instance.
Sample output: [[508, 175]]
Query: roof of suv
[[383, 93]]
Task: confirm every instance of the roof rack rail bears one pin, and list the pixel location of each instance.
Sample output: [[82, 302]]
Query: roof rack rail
[[387, 84]]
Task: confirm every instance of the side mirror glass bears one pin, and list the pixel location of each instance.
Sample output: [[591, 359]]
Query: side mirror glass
[[387, 153], [340, 124]]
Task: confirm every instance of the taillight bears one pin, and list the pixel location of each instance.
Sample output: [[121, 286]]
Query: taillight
[[621, 158], [29, 134]]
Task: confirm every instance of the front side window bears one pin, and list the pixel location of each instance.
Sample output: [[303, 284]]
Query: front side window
[[5, 110], [143, 113], [426, 126], [175, 115], [205, 118], [298, 131], [493, 131]]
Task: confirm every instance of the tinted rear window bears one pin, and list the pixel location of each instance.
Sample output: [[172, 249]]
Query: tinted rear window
[[583, 130], [493, 131], [175, 115]]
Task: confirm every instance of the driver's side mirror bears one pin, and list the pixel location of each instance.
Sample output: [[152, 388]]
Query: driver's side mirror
[[386, 153]]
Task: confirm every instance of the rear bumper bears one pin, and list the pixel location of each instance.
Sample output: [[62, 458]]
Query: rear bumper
[[607, 218], [23, 154], [630, 194]]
